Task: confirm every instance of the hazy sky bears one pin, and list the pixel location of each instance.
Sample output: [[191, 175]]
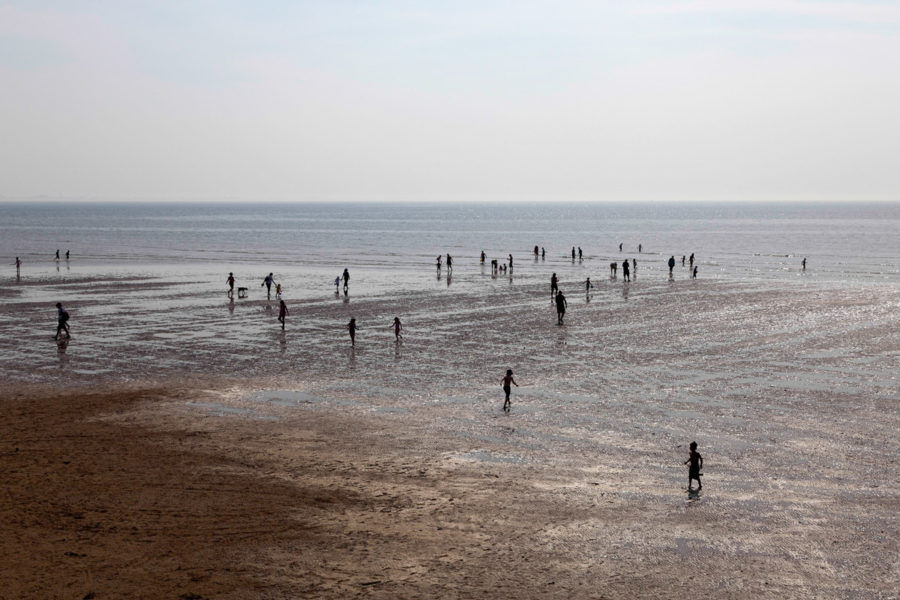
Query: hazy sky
[[621, 100]]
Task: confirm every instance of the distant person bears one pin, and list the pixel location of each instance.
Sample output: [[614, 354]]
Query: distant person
[[268, 281], [694, 273], [543, 253], [449, 262], [573, 253], [554, 286], [346, 278], [626, 275], [640, 248], [18, 264], [483, 257], [439, 259], [67, 255], [495, 266], [505, 382], [620, 246], [278, 291], [282, 313], [57, 254], [230, 282], [613, 267], [62, 321], [691, 261], [337, 284], [351, 327], [561, 306], [588, 286], [398, 327], [696, 464], [803, 263], [634, 266], [683, 258], [671, 265], [579, 253], [536, 251], [510, 262]]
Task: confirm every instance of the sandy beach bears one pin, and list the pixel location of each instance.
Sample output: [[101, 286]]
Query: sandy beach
[[257, 464]]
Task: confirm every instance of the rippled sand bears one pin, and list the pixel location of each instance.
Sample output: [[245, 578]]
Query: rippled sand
[[390, 470]]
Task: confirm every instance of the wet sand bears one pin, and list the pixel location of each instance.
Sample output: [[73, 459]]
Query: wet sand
[[203, 452]]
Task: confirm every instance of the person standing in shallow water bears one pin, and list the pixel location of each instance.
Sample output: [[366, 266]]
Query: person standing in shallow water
[[351, 327], [282, 313], [671, 265], [696, 464], [626, 275], [691, 261], [62, 321], [507, 379], [561, 306], [554, 286], [230, 282], [803, 263], [346, 278], [543, 253], [483, 257], [268, 281], [397, 328]]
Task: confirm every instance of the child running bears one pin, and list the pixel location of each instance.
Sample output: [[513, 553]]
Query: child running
[[397, 328], [696, 464], [508, 379]]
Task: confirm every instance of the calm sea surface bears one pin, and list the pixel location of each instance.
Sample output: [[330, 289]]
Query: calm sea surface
[[855, 242]]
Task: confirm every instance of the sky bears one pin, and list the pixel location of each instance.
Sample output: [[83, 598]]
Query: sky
[[694, 100]]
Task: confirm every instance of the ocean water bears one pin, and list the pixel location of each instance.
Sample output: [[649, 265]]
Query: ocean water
[[852, 242]]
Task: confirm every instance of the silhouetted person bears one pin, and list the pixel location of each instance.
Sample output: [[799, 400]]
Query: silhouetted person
[[57, 254], [536, 251], [683, 258], [439, 259], [691, 261], [634, 266], [230, 282], [620, 246], [346, 278], [579, 253], [696, 464], [268, 281], [803, 263], [613, 267], [588, 286], [449, 263], [626, 275], [694, 273], [671, 265], [351, 327], [510, 262], [282, 313], [18, 264], [561, 305], [67, 255], [62, 321], [573, 253], [483, 257], [398, 327], [507, 379], [640, 248], [495, 266], [554, 286], [543, 253]]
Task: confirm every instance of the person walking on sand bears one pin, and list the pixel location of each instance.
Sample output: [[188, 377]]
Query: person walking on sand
[[230, 282], [696, 464], [554, 286], [505, 382], [671, 266], [351, 327], [561, 305], [268, 281], [282, 313], [626, 275], [62, 321], [398, 327], [346, 277]]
